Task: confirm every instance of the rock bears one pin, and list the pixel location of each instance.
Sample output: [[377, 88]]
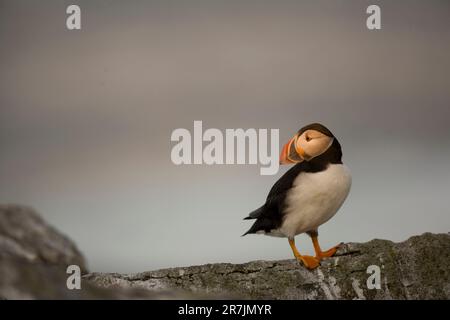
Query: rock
[[34, 258], [25, 235], [415, 269]]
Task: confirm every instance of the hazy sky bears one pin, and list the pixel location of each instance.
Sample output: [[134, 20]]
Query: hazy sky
[[86, 118]]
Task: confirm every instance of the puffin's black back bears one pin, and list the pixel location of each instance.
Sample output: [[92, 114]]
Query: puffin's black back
[[270, 215]]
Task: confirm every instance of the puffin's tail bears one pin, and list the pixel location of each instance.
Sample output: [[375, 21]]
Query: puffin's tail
[[261, 224], [249, 231], [254, 215]]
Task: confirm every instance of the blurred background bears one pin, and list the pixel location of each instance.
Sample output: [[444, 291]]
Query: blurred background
[[86, 118]]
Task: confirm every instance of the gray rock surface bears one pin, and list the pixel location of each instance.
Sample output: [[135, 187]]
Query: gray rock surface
[[415, 269], [25, 235], [34, 257]]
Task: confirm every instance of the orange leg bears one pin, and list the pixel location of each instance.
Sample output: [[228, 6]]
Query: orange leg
[[308, 261], [322, 254]]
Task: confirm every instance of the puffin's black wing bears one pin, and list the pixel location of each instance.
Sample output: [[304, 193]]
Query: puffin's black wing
[[270, 215]]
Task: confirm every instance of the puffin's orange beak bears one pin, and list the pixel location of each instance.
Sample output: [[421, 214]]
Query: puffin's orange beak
[[291, 153]]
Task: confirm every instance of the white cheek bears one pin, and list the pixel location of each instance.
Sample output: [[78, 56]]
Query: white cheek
[[316, 147], [303, 144]]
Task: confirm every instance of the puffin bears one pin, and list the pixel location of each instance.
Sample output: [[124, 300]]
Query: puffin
[[308, 194]]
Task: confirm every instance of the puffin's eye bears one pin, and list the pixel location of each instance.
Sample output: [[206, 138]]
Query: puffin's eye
[[308, 138]]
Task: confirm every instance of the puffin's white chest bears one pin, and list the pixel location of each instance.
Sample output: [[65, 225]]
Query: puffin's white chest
[[314, 198]]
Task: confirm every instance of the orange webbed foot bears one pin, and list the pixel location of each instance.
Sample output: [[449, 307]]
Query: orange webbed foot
[[309, 262], [328, 253]]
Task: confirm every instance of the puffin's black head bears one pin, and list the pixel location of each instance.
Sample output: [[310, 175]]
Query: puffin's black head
[[313, 141]]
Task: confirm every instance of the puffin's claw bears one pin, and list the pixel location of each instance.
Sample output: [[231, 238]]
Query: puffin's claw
[[309, 261]]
